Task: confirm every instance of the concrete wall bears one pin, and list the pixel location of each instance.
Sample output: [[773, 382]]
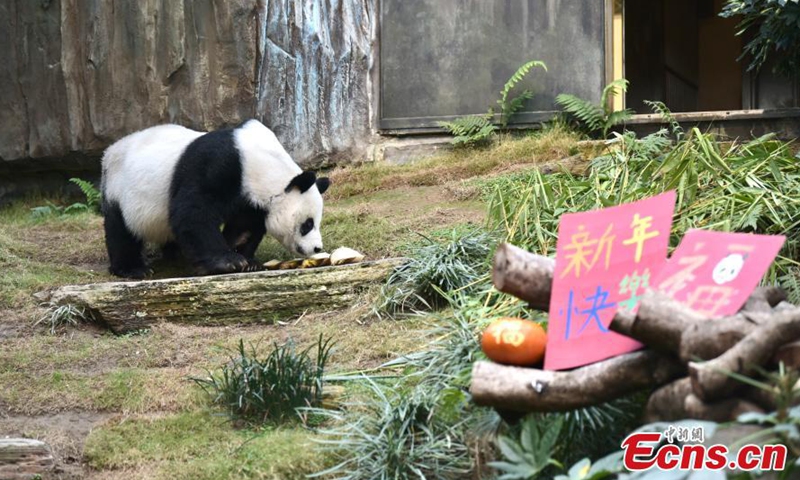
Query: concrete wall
[[78, 74]]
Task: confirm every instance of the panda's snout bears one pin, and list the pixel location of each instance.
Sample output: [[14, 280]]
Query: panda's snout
[[317, 249]]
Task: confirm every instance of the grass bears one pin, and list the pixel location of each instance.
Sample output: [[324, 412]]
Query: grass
[[548, 145], [198, 445]]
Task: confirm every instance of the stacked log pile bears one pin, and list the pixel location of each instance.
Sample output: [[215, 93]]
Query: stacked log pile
[[687, 360]]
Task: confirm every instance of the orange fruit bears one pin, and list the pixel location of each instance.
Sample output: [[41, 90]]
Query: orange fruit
[[514, 341]]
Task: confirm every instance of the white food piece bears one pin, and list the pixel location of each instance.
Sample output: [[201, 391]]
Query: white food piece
[[344, 255]]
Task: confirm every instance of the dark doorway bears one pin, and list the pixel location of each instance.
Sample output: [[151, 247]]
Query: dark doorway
[[682, 53]]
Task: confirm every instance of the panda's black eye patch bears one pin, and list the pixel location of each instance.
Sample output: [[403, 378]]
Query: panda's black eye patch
[[307, 226]]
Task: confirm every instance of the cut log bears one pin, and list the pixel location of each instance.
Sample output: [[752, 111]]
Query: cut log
[[525, 275], [533, 390], [764, 299], [789, 354], [259, 297], [711, 338], [710, 381], [676, 401], [659, 322], [669, 326], [24, 458]]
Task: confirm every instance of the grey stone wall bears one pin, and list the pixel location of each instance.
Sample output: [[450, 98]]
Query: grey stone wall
[[75, 75]]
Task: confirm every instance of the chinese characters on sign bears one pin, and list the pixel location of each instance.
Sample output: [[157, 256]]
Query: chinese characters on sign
[[715, 272], [604, 261]]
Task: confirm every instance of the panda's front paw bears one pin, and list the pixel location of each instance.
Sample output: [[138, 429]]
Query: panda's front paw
[[229, 262], [254, 266]]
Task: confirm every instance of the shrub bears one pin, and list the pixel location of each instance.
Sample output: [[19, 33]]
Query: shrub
[[594, 118], [273, 388], [775, 28], [477, 129]]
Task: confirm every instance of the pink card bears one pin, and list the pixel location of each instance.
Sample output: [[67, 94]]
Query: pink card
[[604, 261], [715, 272]]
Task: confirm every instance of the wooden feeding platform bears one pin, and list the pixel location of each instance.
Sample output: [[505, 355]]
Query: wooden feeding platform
[[258, 297], [686, 361]]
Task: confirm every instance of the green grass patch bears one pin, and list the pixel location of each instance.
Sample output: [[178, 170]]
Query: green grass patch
[[198, 445], [122, 390], [547, 145]]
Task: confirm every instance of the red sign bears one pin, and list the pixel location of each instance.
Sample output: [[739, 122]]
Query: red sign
[[715, 272], [604, 261]]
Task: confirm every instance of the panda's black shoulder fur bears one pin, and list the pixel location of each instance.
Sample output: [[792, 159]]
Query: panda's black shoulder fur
[[211, 164]]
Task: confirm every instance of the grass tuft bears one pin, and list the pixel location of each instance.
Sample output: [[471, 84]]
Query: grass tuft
[[434, 267], [269, 389], [59, 316]]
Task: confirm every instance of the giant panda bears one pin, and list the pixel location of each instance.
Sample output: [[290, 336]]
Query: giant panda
[[175, 187]]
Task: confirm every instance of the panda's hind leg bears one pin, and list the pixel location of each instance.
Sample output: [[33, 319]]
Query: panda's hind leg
[[125, 250], [243, 232]]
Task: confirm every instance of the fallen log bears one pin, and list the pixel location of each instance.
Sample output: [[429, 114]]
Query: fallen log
[[24, 458], [525, 275], [259, 297], [710, 380], [528, 389], [676, 401]]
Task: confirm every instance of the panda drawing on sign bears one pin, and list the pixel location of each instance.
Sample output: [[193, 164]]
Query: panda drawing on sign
[[728, 268], [175, 187]]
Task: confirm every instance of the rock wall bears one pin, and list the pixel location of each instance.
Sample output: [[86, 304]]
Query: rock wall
[[78, 74]]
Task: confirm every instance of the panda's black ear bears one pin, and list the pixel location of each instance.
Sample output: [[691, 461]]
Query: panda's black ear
[[323, 184], [303, 181]]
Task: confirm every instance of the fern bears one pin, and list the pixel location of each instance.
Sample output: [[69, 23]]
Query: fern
[[470, 130], [596, 118], [665, 113], [92, 194], [509, 108]]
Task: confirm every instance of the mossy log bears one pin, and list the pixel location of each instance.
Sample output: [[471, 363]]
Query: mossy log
[[259, 297]]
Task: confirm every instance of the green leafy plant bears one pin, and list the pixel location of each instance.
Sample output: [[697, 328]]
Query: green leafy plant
[[661, 109], [594, 118], [93, 202], [509, 107], [584, 469], [272, 388], [92, 194], [775, 29], [393, 434], [473, 130], [527, 457], [435, 267], [470, 130]]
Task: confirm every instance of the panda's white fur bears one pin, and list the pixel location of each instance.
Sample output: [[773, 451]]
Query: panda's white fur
[[138, 172]]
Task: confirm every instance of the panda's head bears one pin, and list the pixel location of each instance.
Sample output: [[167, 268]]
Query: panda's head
[[295, 215]]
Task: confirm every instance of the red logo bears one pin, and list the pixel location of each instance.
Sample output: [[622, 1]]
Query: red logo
[[642, 451]]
